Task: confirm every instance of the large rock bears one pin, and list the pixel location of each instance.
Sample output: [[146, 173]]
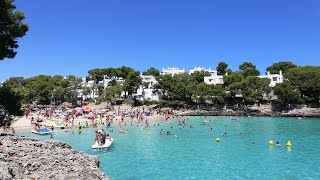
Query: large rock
[[27, 158]]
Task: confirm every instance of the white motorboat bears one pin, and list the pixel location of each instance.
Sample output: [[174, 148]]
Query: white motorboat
[[107, 144]]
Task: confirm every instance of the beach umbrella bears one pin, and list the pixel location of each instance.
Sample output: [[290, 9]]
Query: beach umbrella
[[79, 110], [86, 108], [91, 115]]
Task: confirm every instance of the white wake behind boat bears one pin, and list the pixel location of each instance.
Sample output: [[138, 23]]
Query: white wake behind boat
[[107, 144]]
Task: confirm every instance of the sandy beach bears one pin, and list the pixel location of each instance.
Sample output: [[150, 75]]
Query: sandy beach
[[117, 117]]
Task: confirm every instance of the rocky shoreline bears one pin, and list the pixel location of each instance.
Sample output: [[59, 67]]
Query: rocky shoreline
[[28, 158], [304, 112]]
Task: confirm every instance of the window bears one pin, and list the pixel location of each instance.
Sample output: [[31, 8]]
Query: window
[[274, 79]]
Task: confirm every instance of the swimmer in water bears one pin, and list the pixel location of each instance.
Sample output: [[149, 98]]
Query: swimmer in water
[[79, 129]]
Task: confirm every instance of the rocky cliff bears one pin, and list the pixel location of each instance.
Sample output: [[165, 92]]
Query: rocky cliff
[[27, 158]]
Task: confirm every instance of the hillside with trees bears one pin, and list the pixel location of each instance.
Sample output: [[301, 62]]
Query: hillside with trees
[[241, 88]]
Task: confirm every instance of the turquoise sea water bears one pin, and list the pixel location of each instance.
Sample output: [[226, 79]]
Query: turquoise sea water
[[193, 153]]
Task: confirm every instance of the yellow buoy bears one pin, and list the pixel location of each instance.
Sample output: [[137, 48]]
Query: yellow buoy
[[289, 143], [271, 142], [217, 139]]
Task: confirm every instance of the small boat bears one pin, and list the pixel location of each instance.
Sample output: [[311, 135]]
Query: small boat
[[107, 144], [42, 131]]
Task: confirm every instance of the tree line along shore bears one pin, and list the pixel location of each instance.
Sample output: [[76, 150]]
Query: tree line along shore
[[241, 88]]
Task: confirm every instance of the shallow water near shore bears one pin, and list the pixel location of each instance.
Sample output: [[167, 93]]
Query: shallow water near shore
[[193, 153]]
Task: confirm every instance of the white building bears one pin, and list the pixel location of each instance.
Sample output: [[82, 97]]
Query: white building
[[147, 94], [213, 79], [150, 80], [192, 70], [172, 71], [85, 83], [91, 84], [146, 90], [105, 82], [275, 78]]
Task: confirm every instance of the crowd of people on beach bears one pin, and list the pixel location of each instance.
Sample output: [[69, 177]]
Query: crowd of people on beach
[[72, 118], [144, 118]]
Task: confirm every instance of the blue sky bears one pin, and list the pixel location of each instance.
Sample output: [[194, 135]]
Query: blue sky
[[73, 36]]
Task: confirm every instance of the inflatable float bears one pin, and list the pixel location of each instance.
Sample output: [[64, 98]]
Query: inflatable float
[[42, 131], [111, 126], [107, 144]]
